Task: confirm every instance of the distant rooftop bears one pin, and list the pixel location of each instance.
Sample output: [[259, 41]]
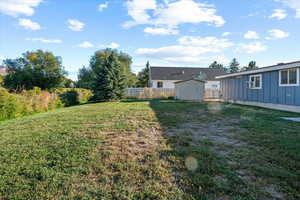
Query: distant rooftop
[[3, 71], [183, 73]]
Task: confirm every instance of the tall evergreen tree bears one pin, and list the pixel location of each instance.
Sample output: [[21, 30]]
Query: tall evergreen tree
[[234, 66], [109, 82], [86, 74], [144, 76], [251, 66], [216, 65]]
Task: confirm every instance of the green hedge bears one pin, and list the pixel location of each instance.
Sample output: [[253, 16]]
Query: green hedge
[[28, 102], [74, 96], [14, 105]]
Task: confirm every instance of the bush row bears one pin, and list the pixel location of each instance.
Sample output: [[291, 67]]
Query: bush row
[[73, 96], [14, 105]]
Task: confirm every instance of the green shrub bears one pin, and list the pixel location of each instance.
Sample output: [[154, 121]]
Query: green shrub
[[10, 105], [70, 98], [74, 96], [1, 80], [41, 101], [27, 102]]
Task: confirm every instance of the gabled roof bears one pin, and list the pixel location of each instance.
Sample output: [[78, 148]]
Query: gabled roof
[[277, 67], [183, 73]]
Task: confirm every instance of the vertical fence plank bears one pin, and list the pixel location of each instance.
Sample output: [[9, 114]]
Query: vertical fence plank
[[161, 93], [212, 93], [150, 93]]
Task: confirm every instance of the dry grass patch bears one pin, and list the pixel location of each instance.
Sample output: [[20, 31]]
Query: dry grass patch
[[151, 150]]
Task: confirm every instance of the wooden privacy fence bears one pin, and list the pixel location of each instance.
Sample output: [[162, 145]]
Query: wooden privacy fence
[[212, 93], [162, 93], [150, 93]]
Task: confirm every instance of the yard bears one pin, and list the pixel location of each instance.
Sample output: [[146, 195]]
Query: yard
[[151, 150]]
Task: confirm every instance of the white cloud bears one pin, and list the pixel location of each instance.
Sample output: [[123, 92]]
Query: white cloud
[[197, 60], [112, 45], [102, 6], [188, 11], [278, 14], [161, 31], [28, 24], [137, 10], [294, 4], [253, 47], [225, 34], [251, 35], [277, 34], [75, 25], [189, 49], [86, 44], [18, 7], [172, 13], [43, 40], [207, 42]]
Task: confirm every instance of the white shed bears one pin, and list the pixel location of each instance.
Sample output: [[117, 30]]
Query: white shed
[[190, 90]]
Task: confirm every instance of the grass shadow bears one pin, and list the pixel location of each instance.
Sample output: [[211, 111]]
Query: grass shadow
[[204, 174]]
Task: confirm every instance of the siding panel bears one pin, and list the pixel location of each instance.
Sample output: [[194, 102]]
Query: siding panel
[[238, 89]]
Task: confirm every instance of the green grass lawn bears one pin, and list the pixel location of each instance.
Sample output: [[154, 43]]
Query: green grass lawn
[[151, 150]]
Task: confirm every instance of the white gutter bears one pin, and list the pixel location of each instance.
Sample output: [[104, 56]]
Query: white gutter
[[265, 69], [150, 78]]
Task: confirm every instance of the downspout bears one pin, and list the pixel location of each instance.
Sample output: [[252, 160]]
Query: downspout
[[150, 79]]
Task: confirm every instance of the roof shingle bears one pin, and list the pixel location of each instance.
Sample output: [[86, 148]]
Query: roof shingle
[[183, 73]]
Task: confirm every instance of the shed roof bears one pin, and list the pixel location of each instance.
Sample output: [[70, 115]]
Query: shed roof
[[183, 73], [279, 66], [201, 81]]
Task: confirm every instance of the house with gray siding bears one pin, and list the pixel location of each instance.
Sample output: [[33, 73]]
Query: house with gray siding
[[275, 87], [166, 77]]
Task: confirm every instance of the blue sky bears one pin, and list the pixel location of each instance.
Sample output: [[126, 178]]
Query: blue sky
[[165, 32]]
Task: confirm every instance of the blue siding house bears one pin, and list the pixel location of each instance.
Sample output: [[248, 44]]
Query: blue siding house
[[275, 87]]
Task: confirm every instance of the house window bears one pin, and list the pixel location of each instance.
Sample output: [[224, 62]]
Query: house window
[[289, 77], [255, 81], [160, 84]]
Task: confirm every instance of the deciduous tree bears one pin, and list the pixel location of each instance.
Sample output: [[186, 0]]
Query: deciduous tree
[[34, 69]]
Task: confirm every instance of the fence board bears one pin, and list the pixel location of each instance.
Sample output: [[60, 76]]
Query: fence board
[[160, 93], [212, 93], [150, 93]]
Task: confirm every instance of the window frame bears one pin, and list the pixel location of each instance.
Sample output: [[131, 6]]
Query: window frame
[[260, 82], [162, 84], [288, 78]]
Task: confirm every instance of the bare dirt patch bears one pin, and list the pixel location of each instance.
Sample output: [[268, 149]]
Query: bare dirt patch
[[132, 146], [225, 137]]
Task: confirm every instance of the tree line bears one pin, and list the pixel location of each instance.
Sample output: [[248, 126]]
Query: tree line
[[234, 66], [108, 74]]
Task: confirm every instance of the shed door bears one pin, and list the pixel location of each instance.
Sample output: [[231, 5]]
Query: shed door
[[189, 91]]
